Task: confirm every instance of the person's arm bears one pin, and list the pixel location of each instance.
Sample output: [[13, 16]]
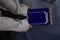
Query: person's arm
[[14, 7], [8, 24]]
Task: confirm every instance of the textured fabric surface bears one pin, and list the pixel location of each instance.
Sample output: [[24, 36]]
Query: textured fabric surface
[[43, 32]]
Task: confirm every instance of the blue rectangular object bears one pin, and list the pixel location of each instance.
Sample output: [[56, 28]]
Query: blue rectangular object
[[39, 16]]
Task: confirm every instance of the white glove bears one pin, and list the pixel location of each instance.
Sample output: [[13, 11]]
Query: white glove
[[22, 10]]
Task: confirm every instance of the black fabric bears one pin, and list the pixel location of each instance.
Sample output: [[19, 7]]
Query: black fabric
[[11, 15], [7, 35]]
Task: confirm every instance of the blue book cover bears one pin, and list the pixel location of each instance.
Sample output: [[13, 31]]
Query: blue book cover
[[39, 16]]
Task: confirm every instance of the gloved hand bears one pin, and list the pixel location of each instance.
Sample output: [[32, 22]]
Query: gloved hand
[[30, 27]]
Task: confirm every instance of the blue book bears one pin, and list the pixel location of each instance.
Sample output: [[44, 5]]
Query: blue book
[[39, 16]]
